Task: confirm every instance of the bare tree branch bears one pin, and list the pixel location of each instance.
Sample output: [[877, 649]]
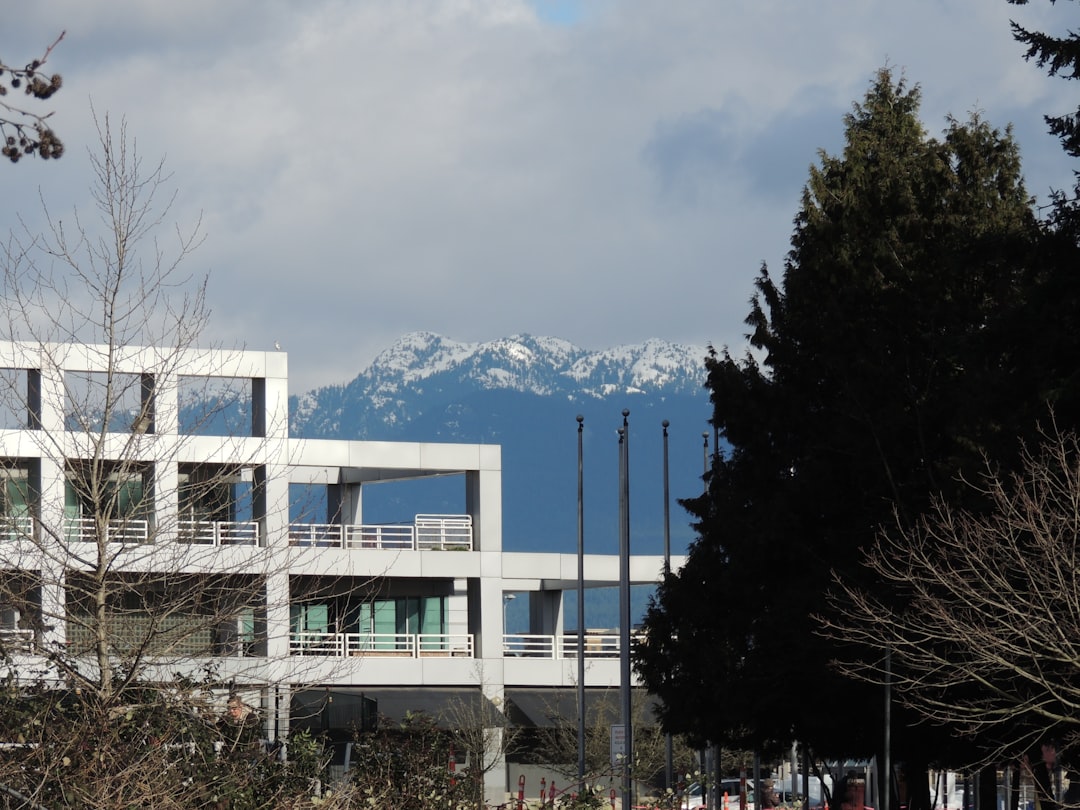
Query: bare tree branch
[[985, 635], [23, 131]]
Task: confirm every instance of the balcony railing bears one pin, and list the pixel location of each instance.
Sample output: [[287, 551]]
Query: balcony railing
[[399, 645], [517, 645], [16, 527], [219, 532], [333, 535], [12, 640], [117, 530], [445, 532]]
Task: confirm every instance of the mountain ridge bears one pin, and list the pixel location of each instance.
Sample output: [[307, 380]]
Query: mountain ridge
[[524, 393]]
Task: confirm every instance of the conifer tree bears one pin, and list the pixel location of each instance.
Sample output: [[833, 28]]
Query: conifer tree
[[886, 371]]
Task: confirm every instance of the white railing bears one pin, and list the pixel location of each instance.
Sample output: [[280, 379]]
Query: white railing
[[16, 527], [444, 532], [320, 535], [12, 640], [518, 645], [401, 645], [391, 536], [117, 530], [599, 645], [316, 644], [218, 532], [444, 644], [333, 535]]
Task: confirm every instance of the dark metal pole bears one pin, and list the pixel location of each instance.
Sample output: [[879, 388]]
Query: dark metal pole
[[624, 606], [669, 754], [580, 603], [667, 504], [705, 452], [886, 765]]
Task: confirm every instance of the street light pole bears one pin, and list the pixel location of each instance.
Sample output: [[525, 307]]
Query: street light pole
[[507, 599], [580, 602], [669, 754], [624, 606]]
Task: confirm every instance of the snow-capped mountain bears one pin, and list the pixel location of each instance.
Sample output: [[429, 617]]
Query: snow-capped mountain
[[524, 393], [423, 371]]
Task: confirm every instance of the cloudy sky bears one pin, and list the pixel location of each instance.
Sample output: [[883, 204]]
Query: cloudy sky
[[603, 171]]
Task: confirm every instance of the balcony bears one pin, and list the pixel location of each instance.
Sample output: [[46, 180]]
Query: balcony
[[218, 532], [440, 532], [117, 530], [598, 645], [400, 645]]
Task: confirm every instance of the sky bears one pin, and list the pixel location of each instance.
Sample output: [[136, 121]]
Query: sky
[[602, 171]]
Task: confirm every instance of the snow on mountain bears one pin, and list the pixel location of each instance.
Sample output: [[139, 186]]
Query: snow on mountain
[[524, 393], [429, 367]]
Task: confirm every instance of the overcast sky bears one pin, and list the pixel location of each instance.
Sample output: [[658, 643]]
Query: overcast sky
[[603, 171]]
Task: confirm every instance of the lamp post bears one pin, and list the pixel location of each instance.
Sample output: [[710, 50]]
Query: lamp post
[[507, 599], [624, 606], [668, 752], [580, 603], [705, 452]]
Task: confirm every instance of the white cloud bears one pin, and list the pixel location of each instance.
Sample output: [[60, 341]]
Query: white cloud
[[599, 171]]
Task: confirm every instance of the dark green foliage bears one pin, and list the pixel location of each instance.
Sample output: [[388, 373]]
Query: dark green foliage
[[888, 370], [1059, 56]]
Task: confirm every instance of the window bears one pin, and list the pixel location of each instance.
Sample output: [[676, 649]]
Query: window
[[388, 620], [117, 402], [15, 502], [118, 493], [218, 504]]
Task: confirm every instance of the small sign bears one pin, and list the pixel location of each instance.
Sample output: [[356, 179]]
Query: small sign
[[618, 744]]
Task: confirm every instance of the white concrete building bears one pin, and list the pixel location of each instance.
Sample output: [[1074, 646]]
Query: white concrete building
[[410, 613]]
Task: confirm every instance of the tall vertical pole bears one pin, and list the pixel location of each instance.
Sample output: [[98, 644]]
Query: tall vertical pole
[[580, 604], [669, 755], [624, 606], [886, 766], [705, 452]]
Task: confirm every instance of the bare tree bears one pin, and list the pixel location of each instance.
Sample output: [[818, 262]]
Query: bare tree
[[985, 637], [481, 732], [558, 742], [133, 558], [25, 131]]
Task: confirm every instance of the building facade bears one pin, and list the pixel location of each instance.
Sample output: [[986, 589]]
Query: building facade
[[165, 484]]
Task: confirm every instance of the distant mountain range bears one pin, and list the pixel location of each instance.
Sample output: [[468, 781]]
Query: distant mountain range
[[523, 393]]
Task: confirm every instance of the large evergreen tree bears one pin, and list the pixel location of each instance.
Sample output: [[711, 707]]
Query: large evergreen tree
[[887, 369], [1060, 57]]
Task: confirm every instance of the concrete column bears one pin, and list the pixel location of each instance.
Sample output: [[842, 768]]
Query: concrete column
[[495, 776], [277, 614], [483, 499]]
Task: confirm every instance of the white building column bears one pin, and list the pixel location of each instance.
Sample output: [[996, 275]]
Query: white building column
[[277, 614]]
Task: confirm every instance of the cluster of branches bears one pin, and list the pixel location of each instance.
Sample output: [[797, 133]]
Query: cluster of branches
[[985, 637], [169, 748], [127, 627], [25, 131], [407, 765], [552, 744]]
